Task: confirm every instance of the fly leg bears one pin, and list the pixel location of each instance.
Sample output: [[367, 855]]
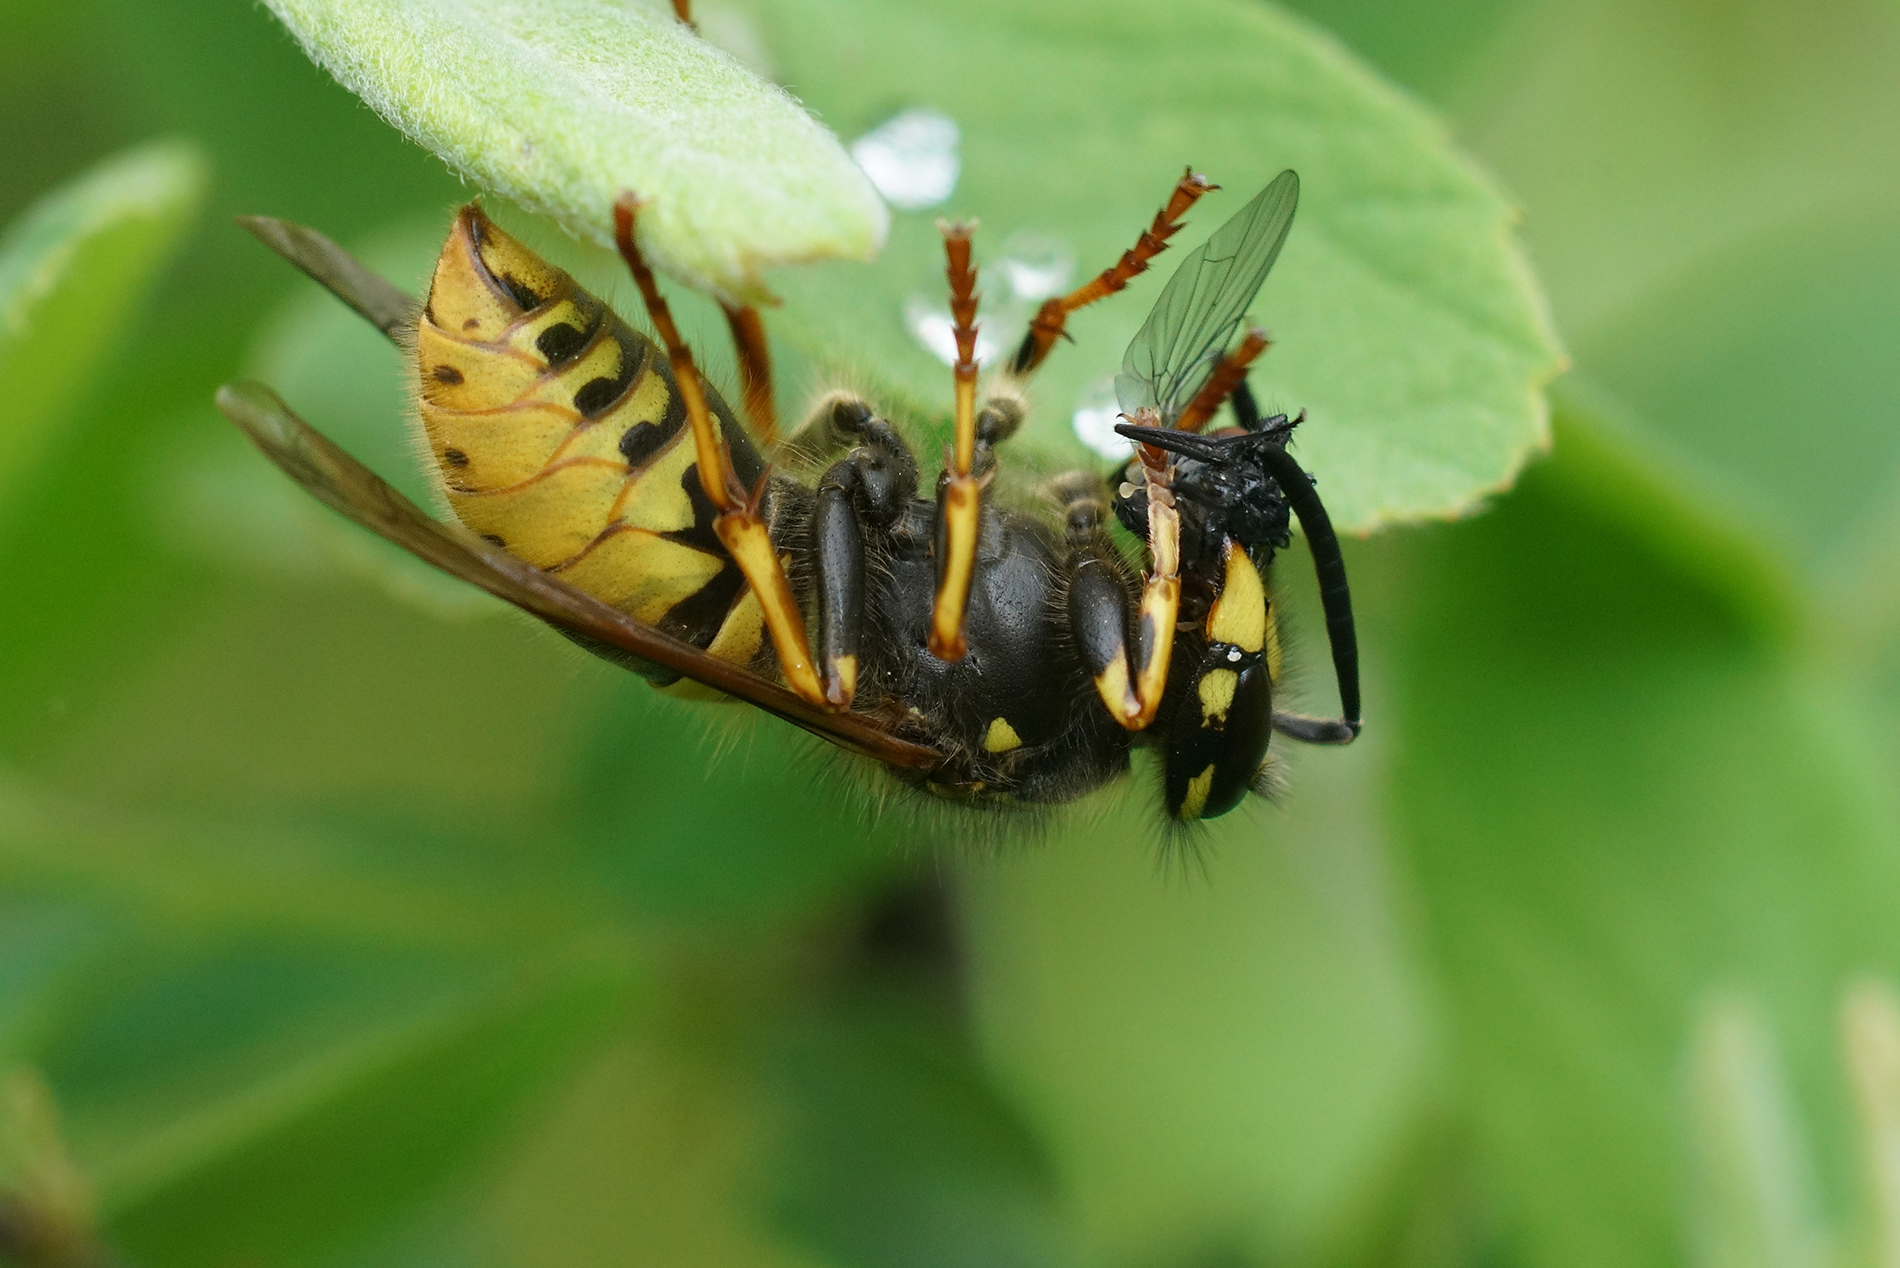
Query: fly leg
[[739, 525], [865, 490]]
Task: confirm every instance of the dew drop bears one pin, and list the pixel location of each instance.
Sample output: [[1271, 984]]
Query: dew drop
[[1096, 413], [1036, 266], [911, 158]]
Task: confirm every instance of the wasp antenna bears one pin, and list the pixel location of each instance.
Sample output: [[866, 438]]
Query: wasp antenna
[[737, 523], [1329, 567], [959, 502], [1228, 375], [683, 10], [1050, 321]]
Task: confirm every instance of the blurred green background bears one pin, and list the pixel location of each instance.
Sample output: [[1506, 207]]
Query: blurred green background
[[350, 923]]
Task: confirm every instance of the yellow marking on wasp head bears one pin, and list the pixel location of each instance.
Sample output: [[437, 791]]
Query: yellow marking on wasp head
[[1217, 695], [1001, 737], [1239, 615], [1197, 790]]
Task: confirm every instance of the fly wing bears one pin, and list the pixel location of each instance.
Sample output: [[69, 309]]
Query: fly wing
[[1204, 303], [347, 486]]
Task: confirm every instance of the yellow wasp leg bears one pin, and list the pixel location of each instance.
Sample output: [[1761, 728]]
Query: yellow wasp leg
[[740, 529], [960, 500], [1134, 698]]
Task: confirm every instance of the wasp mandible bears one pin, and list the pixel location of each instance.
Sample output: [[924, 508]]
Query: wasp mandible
[[992, 654]]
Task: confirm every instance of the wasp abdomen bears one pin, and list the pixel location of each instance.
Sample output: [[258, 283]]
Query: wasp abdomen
[[559, 431]]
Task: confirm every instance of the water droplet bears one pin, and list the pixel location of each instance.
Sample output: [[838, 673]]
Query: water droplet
[[933, 328], [1036, 266], [911, 158], [1096, 413]]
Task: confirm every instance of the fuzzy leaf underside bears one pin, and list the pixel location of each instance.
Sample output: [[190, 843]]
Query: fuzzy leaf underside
[[563, 105]]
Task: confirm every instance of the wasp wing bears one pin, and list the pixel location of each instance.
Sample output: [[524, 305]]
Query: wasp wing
[[1204, 303], [348, 487], [377, 301]]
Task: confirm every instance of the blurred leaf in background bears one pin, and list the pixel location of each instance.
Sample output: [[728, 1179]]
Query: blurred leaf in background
[[332, 961], [73, 270]]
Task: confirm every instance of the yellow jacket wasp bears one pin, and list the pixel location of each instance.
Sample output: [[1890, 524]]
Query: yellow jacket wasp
[[975, 650]]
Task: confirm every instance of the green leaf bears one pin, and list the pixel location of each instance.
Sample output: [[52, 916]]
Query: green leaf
[[1407, 321], [264, 1099], [1221, 1062], [900, 1154], [1752, 1195], [1621, 790], [564, 105], [72, 271]]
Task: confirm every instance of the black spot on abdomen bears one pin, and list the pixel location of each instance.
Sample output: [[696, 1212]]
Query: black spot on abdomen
[[447, 374], [643, 440], [561, 344], [597, 395]]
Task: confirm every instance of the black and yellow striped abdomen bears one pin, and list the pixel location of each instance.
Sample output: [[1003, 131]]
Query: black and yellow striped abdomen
[[560, 434]]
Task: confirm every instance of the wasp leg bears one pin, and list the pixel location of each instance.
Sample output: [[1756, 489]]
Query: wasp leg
[[738, 524], [1049, 322], [960, 489], [1100, 597], [869, 488], [755, 369]]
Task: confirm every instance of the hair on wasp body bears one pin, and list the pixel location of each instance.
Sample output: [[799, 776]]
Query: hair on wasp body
[[977, 649]]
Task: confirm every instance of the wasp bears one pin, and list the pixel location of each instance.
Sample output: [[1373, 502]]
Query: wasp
[[993, 654]]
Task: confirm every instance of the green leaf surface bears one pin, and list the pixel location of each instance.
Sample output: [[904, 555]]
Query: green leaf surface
[[1620, 791], [564, 105], [1406, 319], [280, 1103], [72, 271], [900, 1154], [1222, 1057]]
